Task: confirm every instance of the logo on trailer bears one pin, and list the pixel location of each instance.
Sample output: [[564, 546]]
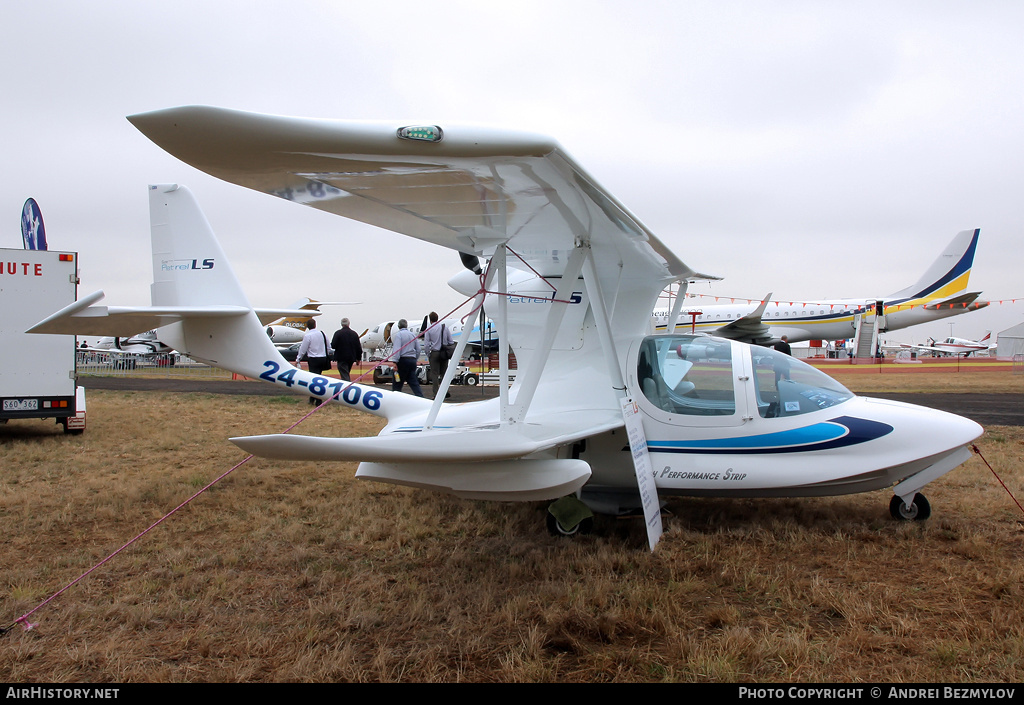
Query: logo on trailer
[[28, 269], [33, 234]]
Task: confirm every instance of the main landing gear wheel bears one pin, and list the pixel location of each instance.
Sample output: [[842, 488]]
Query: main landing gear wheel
[[569, 516], [919, 509], [584, 527]]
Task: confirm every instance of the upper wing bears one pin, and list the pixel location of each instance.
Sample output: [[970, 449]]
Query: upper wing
[[471, 191]]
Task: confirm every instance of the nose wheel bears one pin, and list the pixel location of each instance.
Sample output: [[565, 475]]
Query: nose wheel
[[918, 510]]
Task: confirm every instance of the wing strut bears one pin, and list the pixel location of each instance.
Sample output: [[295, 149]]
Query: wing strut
[[604, 327], [499, 260], [633, 423], [677, 306], [558, 307], [460, 348]]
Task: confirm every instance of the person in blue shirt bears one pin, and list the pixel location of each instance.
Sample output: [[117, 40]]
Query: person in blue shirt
[[437, 339], [405, 353]]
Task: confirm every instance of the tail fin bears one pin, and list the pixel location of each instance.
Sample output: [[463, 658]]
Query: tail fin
[[189, 266], [190, 270], [202, 312], [949, 274]]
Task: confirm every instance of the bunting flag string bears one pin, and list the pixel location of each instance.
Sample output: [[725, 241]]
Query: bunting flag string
[[832, 306]]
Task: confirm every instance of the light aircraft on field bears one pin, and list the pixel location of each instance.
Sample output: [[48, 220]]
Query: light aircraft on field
[[955, 346], [288, 330], [939, 293], [602, 416]]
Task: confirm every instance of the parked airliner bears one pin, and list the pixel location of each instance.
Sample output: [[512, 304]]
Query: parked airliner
[[941, 292]]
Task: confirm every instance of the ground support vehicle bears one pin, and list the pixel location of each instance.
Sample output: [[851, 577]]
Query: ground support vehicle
[[38, 373]]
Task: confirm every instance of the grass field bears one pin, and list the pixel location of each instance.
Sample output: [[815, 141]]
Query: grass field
[[298, 572]]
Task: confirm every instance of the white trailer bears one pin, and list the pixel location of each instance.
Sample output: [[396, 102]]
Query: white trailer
[[38, 377]]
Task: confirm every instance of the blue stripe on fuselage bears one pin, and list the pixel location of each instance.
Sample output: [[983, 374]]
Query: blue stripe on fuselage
[[836, 433]]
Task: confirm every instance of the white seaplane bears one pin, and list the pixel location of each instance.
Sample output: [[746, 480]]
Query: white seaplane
[[601, 417]]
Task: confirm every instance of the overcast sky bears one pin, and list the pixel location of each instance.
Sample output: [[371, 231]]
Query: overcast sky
[[811, 149]]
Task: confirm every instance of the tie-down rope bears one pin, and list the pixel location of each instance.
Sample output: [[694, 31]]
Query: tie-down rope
[[24, 619]]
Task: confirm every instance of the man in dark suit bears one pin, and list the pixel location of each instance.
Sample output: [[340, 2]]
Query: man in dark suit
[[347, 349]]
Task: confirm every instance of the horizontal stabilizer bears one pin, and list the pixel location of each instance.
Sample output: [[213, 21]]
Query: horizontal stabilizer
[[962, 301], [310, 310], [83, 318], [269, 315], [503, 481]]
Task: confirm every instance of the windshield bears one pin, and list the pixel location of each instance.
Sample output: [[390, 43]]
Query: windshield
[[785, 386], [693, 375]]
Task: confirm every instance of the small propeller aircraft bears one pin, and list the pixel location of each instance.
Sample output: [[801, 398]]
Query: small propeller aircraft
[[954, 346], [602, 416]]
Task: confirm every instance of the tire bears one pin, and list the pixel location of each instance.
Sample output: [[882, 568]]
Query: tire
[[919, 509], [471, 380], [584, 527]]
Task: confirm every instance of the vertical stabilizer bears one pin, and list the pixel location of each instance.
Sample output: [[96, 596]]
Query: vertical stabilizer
[[949, 274], [189, 266]]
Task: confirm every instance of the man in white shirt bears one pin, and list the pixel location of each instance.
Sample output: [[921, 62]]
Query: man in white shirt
[[315, 351]]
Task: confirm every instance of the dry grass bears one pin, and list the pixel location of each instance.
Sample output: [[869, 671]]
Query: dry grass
[[888, 379], [298, 572]]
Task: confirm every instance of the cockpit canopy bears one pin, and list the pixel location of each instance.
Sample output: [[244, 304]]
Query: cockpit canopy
[[694, 375]]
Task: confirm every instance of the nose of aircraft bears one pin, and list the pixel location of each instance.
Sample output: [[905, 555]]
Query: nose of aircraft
[[919, 431]]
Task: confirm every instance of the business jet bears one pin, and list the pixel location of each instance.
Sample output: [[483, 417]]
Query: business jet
[[602, 416], [146, 343], [955, 346], [941, 292], [289, 329]]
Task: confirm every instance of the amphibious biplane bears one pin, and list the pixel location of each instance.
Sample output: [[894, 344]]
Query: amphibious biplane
[[599, 411]]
